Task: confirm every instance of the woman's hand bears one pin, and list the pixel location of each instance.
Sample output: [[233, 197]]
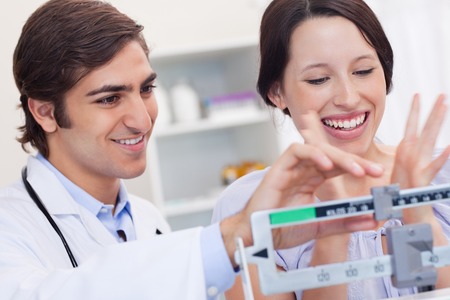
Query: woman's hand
[[414, 166], [291, 181]]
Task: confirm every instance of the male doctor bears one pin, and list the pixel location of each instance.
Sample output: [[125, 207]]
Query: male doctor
[[68, 228]]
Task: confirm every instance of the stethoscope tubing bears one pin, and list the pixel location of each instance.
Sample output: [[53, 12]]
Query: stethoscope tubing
[[32, 193]]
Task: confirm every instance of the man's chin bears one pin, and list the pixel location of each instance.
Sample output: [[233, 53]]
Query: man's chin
[[133, 173]]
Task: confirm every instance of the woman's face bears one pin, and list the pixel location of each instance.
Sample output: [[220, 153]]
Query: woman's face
[[334, 71]]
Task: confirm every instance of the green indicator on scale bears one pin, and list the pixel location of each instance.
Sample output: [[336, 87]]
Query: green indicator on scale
[[291, 216]]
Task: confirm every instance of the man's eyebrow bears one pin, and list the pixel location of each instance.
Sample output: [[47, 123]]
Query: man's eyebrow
[[108, 88], [149, 79], [111, 88]]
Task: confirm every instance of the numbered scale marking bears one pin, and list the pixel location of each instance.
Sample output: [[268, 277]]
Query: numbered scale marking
[[356, 206]]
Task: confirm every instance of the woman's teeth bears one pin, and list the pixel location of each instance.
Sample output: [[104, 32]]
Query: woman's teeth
[[345, 124], [130, 141]]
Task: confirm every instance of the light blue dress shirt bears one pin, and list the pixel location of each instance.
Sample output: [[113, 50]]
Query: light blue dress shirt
[[219, 273], [120, 221]]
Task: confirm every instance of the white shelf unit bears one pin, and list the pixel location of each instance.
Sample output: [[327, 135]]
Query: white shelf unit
[[186, 159]]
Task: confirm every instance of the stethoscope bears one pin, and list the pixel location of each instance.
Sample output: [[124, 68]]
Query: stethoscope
[[32, 193]]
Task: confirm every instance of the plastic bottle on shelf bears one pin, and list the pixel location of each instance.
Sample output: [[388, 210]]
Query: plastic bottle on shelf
[[229, 174], [164, 111], [232, 172], [185, 102]]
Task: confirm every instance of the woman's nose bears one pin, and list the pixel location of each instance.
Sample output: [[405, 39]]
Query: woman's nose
[[346, 94]]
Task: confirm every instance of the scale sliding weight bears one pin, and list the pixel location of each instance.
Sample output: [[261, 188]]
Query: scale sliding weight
[[412, 260]]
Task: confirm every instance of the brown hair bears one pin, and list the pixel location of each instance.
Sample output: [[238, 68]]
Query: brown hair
[[282, 17], [61, 42]]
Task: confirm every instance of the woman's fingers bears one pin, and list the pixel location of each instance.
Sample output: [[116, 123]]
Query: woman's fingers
[[299, 153], [436, 165], [291, 236], [414, 163], [332, 161], [294, 177], [313, 134], [412, 123], [432, 127], [351, 224], [352, 164], [311, 129]]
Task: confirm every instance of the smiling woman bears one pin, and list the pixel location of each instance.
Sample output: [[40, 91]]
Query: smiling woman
[[331, 59], [330, 67]]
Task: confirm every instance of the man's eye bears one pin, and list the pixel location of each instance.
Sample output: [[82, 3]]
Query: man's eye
[[317, 81], [148, 88]]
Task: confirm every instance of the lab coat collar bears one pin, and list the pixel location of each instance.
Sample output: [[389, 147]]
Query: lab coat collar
[[58, 201], [52, 193]]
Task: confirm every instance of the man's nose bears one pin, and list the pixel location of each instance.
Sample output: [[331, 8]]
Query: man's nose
[[137, 116]]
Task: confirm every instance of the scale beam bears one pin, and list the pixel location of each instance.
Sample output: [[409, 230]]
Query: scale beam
[[385, 202]]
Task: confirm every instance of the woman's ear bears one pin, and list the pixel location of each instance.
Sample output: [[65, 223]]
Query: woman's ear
[[276, 97], [43, 113]]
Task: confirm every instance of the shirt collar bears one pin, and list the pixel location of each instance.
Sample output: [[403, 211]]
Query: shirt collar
[[82, 197]]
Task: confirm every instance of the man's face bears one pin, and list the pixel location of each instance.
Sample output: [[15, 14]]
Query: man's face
[[112, 112]]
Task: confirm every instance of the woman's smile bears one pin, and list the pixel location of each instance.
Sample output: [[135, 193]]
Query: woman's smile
[[346, 127]]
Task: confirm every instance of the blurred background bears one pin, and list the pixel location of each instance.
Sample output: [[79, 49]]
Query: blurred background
[[212, 128]]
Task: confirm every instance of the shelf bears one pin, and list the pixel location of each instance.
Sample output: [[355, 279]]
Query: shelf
[[189, 206], [211, 124], [199, 51], [187, 158]]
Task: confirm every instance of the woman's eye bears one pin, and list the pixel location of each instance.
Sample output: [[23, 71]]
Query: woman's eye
[[108, 100], [317, 81], [363, 72], [148, 88]]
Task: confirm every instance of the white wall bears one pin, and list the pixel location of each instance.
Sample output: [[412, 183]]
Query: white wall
[[418, 29]]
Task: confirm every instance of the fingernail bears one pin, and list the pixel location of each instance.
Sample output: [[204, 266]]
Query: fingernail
[[377, 168], [357, 169]]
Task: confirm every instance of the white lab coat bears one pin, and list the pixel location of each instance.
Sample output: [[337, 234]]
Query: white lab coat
[[35, 265]]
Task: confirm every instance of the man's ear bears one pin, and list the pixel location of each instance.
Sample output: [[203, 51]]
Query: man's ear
[[275, 96], [43, 113]]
